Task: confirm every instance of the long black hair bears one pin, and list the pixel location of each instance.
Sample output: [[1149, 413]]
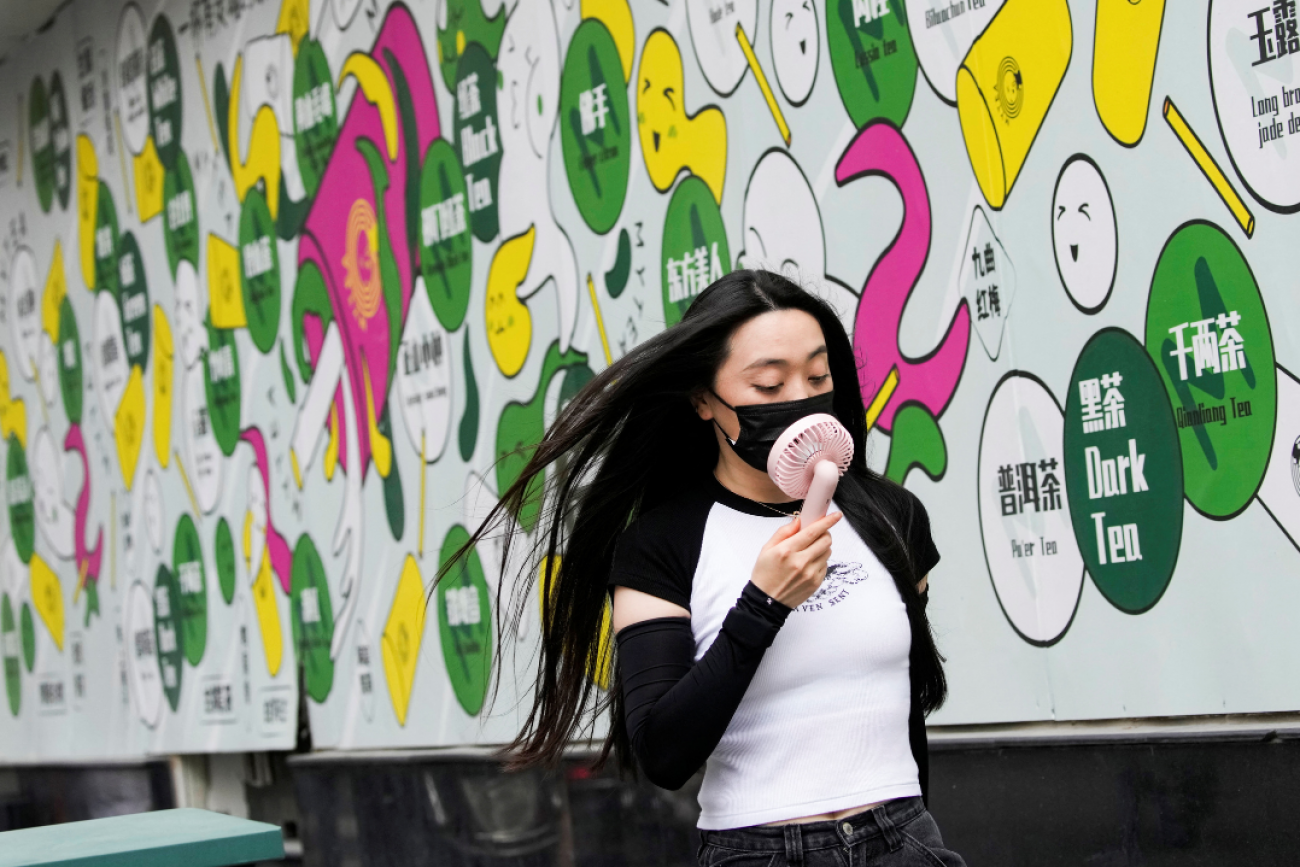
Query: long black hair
[[629, 440]]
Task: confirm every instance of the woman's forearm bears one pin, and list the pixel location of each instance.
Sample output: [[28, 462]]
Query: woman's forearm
[[677, 709]]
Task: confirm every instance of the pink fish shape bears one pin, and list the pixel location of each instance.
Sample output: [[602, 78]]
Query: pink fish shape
[[88, 561], [348, 179], [881, 149]]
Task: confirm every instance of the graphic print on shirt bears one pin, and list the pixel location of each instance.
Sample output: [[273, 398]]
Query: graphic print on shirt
[[835, 586]]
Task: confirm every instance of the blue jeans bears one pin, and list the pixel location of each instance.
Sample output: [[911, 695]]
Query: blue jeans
[[898, 833]]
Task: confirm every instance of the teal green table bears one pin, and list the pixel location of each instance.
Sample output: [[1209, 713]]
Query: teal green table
[[164, 838]]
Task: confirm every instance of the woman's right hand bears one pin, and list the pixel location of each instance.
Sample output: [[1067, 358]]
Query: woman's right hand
[[792, 564]]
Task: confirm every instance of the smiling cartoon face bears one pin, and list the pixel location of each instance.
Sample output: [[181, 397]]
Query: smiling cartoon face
[[1084, 235], [659, 111], [671, 141], [796, 44]]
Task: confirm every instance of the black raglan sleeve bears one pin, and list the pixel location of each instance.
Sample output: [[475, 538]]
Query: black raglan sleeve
[[920, 542], [676, 708]]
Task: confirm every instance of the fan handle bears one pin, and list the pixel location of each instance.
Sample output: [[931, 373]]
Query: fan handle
[[826, 476]]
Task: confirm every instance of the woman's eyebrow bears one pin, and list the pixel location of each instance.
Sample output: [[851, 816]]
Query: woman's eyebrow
[[781, 362]]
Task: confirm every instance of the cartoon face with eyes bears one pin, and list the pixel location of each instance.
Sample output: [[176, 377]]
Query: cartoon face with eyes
[[1085, 237], [529, 64], [189, 315], [796, 43], [783, 231], [53, 515], [670, 140]]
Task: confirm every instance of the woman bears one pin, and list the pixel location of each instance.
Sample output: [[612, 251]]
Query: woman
[[795, 664]]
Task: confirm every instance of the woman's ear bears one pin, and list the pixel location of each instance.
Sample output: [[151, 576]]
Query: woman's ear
[[701, 406]]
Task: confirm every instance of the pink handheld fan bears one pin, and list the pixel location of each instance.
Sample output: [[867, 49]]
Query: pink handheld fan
[[807, 461]]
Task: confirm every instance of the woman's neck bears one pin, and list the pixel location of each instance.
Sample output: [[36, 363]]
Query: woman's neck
[[740, 478]]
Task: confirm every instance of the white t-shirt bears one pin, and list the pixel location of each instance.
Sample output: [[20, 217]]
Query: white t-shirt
[[823, 725]]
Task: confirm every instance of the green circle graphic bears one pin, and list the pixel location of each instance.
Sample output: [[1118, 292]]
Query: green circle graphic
[[180, 222], [163, 88], [477, 137], [18, 494], [446, 247], [461, 23], [259, 267], [133, 302], [695, 251], [315, 114], [312, 640], [40, 135], [70, 375], [873, 59], [168, 636], [1123, 471], [1222, 383], [60, 140], [223, 550], [11, 648], [222, 387], [192, 582], [465, 629], [595, 127], [106, 241]]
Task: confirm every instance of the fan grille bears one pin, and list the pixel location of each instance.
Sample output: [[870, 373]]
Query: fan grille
[[797, 452]]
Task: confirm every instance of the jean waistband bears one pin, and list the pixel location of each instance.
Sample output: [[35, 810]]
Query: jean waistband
[[881, 821]]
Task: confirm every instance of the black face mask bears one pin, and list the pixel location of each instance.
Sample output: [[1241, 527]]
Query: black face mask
[[761, 424]]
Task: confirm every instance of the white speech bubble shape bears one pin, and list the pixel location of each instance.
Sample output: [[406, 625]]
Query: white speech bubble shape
[[257, 531], [190, 309], [141, 655], [424, 377], [942, 39], [796, 47], [1280, 490], [54, 516], [108, 358], [988, 281], [713, 36], [363, 652], [47, 364], [783, 232], [1249, 80], [1029, 545], [267, 80], [1085, 235], [130, 74], [205, 454], [13, 571], [152, 510], [25, 311]]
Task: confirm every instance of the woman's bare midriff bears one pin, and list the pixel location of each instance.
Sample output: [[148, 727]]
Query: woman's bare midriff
[[822, 817]]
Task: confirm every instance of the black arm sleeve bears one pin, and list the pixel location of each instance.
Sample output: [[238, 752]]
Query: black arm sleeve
[[676, 709]]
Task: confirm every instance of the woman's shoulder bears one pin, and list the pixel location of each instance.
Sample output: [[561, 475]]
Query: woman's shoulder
[[672, 516]]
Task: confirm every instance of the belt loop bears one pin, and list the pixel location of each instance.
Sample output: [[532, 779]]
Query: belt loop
[[893, 837], [794, 844]]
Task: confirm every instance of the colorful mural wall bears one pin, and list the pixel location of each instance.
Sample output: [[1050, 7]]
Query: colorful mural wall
[[289, 287]]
